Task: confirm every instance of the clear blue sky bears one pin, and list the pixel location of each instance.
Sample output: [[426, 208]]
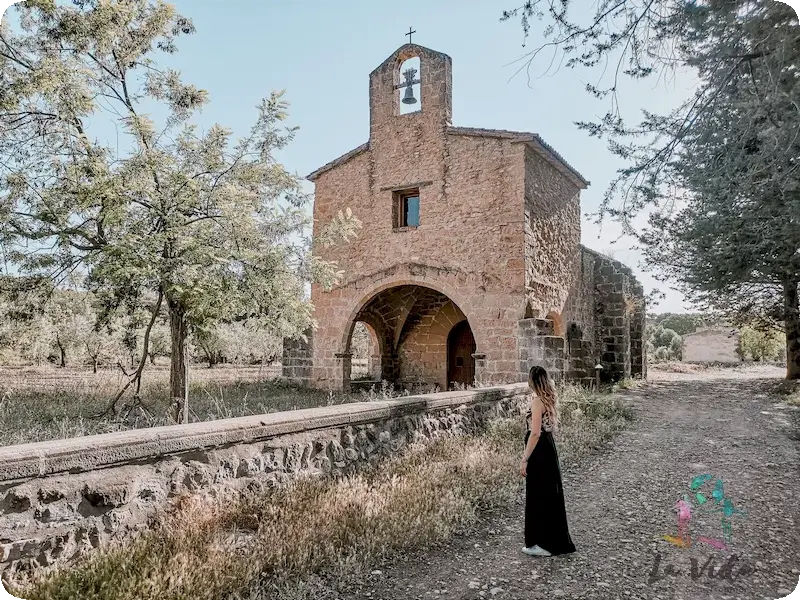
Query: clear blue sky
[[322, 52]]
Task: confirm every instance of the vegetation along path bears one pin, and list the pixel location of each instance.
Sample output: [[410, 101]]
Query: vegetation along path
[[724, 423]]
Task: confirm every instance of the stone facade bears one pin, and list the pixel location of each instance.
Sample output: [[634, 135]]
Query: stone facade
[[62, 499], [711, 346], [496, 245]]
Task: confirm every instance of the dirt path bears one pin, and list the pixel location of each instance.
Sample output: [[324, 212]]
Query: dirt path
[[621, 503]]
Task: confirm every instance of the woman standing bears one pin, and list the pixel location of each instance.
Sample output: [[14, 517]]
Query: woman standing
[[546, 530]]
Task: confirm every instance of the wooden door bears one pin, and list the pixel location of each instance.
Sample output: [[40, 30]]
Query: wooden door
[[460, 348]]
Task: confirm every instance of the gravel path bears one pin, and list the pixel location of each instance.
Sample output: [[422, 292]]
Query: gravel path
[[621, 503]]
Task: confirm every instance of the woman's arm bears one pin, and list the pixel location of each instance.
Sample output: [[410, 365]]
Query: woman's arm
[[537, 408], [533, 438]]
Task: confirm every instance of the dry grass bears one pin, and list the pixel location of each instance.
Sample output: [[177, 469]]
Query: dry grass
[[628, 384], [789, 390], [678, 367], [681, 367], [268, 544], [45, 403]]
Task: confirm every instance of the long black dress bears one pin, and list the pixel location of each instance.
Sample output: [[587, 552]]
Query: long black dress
[[545, 514]]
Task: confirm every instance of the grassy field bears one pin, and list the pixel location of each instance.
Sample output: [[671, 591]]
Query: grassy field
[[276, 544], [44, 403]]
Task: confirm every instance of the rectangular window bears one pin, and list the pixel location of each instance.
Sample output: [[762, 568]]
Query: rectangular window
[[406, 211]]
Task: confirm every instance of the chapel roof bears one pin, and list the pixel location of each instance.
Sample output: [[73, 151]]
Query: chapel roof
[[533, 140]]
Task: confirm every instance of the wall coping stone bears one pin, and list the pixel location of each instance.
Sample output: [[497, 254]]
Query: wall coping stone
[[87, 453]]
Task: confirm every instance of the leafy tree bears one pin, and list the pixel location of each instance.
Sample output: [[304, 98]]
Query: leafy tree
[[720, 172], [159, 341], [734, 243], [66, 314], [663, 337], [192, 221], [100, 346], [676, 348], [211, 344], [22, 318], [663, 343], [759, 345], [680, 323]]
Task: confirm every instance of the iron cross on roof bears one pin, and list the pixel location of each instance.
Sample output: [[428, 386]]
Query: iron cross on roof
[[410, 31]]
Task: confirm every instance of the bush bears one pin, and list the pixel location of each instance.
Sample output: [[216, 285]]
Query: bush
[[760, 345]]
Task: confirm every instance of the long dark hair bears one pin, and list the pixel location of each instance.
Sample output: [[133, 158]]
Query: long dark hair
[[540, 383]]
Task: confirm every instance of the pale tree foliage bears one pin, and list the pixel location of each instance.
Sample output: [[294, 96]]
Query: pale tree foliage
[[159, 341], [66, 318], [759, 345], [664, 343], [59, 326], [21, 318], [238, 343], [718, 175], [187, 221]]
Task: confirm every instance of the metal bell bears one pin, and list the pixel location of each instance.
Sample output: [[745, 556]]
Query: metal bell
[[408, 98]]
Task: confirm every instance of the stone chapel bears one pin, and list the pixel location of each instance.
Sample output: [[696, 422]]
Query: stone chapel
[[469, 267]]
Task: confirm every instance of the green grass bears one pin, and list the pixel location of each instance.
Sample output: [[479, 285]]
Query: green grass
[[267, 545]]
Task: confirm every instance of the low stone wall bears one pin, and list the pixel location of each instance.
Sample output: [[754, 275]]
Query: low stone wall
[[61, 499]]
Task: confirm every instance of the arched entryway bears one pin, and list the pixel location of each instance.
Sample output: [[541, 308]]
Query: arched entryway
[[412, 325], [460, 351], [365, 351]]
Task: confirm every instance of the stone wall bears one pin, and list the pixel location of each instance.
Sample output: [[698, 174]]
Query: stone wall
[[297, 361], [619, 322], [579, 309], [62, 499], [603, 322], [539, 346], [423, 346], [552, 234]]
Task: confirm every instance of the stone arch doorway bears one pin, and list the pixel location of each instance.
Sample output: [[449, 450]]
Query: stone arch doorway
[[365, 351], [460, 360], [412, 325]]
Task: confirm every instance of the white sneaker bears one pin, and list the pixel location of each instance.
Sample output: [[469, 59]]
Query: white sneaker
[[536, 551]]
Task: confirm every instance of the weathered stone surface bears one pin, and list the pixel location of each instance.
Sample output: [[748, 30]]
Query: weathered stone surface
[[63, 498]]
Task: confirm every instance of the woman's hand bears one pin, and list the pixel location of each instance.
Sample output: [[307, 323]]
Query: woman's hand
[[523, 467]]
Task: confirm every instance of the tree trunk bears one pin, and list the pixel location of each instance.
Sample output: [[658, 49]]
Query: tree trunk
[[791, 319], [179, 332], [94, 365], [62, 352]]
